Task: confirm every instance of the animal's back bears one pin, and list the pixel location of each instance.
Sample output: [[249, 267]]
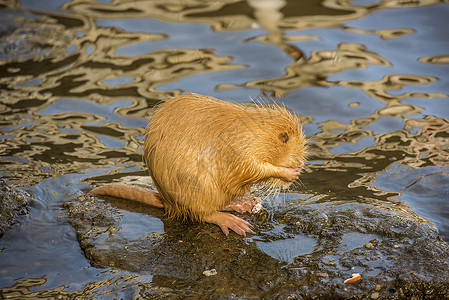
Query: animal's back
[[183, 146]]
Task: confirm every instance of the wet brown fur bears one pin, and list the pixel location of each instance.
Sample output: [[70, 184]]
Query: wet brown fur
[[202, 152]]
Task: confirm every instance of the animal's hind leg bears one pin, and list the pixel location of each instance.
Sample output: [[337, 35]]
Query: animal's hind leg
[[228, 221], [245, 204]]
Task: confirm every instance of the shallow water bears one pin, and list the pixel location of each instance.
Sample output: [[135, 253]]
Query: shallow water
[[369, 79]]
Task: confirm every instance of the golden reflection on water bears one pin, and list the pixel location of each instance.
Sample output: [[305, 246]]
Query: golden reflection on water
[[313, 71], [379, 89], [26, 289], [438, 59], [383, 33]]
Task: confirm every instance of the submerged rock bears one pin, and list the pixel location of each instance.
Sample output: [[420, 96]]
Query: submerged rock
[[406, 258], [13, 202]]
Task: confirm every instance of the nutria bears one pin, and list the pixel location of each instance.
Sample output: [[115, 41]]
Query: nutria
[[203, 153]]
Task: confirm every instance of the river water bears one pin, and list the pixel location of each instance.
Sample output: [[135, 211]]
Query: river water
[[369, 80]]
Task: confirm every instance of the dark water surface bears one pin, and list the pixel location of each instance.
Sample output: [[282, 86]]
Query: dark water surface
[[369, 79]]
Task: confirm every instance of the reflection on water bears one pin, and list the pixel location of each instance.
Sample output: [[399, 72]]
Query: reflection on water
[[78, 79], [23, 289], [286, 250]]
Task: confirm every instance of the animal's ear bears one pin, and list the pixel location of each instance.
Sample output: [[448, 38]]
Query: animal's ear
[[283, 136]]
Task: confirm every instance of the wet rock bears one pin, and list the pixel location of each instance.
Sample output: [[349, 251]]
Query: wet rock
[[405, 256], [13, 202]]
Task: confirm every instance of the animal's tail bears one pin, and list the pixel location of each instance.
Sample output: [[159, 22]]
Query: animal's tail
[[130, 192]]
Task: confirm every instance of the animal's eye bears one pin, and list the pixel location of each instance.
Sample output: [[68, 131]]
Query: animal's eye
[[283, 136]]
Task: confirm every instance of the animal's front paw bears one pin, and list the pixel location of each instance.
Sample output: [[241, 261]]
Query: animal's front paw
[[289, 174], [245, 204]]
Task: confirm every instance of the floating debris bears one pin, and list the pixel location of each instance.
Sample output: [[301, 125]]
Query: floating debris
[[354, 278], [210, 272], [368, 245]]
